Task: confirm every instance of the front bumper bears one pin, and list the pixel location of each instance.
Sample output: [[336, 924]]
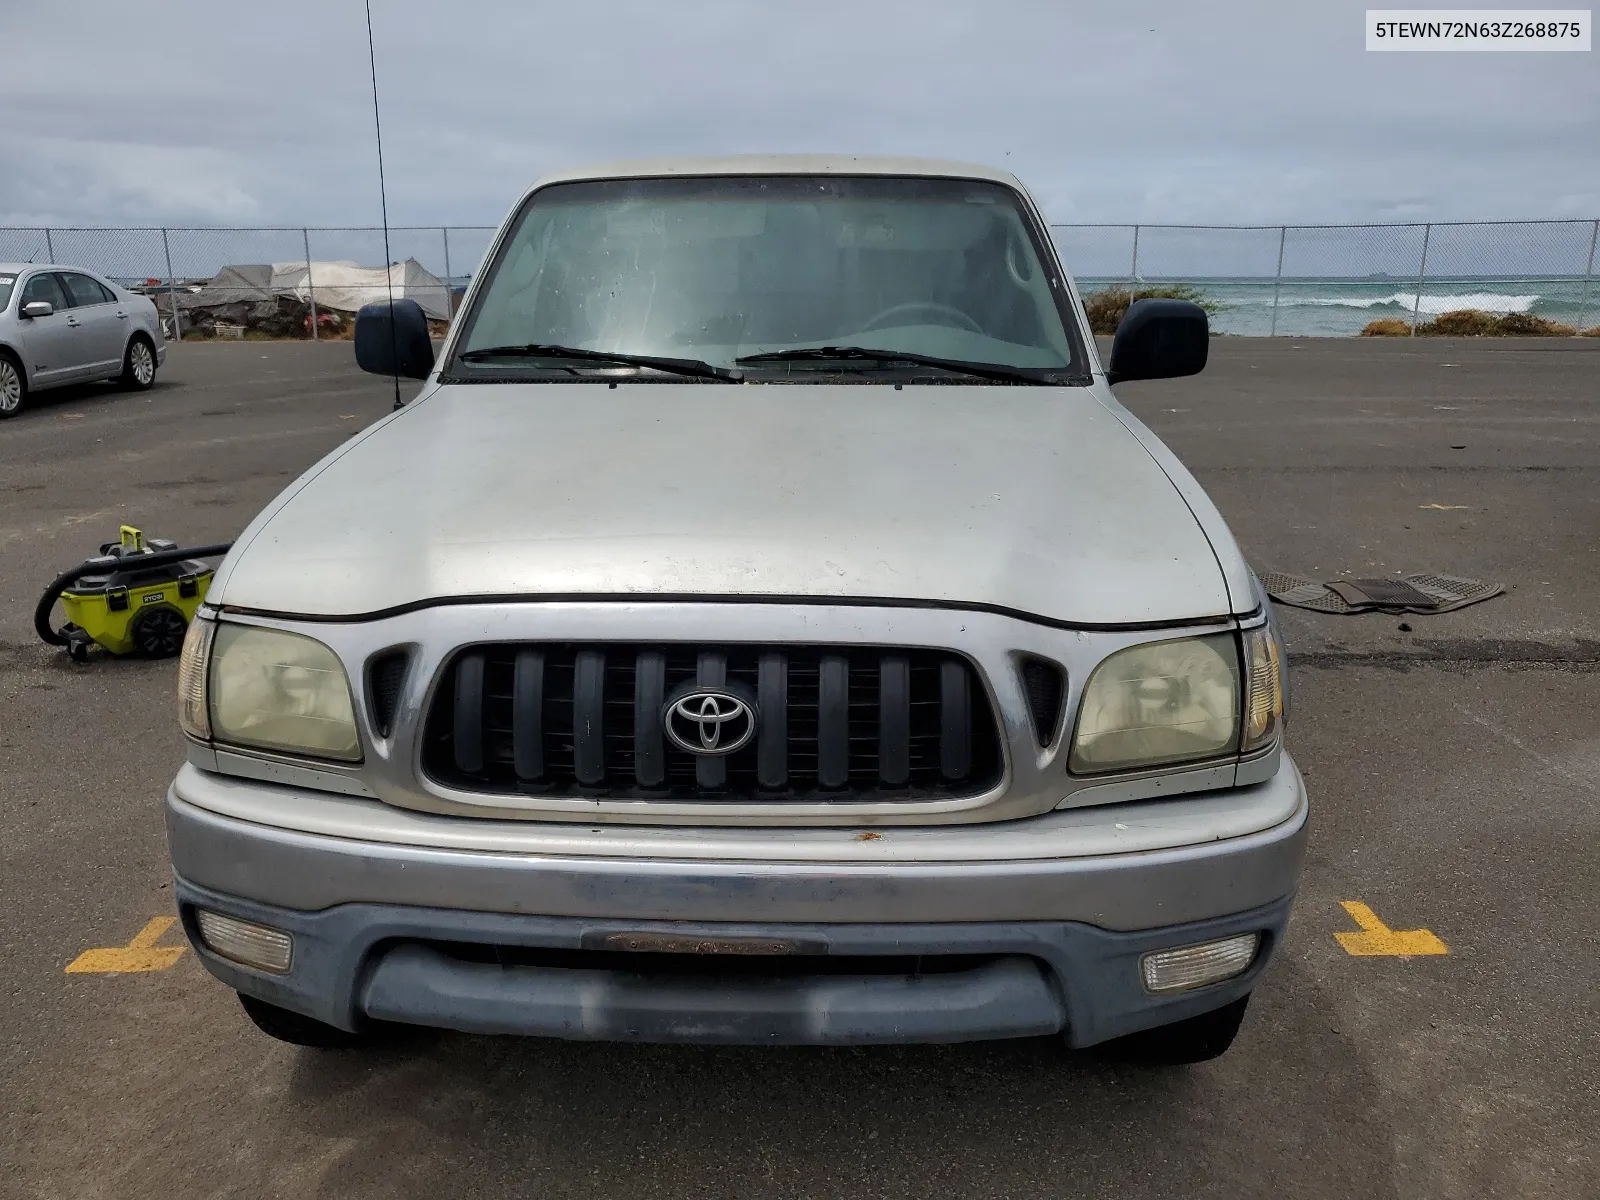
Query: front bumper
[[378, 924], [385, 962]]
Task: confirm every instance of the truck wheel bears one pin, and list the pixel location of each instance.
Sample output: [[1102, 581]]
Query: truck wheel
[[1194, 1040], [298, 1029], [138, 364], [13, 387]]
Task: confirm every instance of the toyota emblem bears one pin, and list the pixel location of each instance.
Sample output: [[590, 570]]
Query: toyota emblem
[[709, 721]]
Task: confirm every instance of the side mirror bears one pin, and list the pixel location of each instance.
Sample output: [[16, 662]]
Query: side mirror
[[392, 339], [1160, 339], [37, 308]]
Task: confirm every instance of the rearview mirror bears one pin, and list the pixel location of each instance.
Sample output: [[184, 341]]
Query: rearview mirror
[[37, 308], [1160, 339], [392, 339]]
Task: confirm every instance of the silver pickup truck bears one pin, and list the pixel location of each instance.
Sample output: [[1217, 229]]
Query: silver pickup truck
[[763, 626]]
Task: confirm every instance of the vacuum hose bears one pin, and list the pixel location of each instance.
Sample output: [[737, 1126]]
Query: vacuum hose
[[108, 563]]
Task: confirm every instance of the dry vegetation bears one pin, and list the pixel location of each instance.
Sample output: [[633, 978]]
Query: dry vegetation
[[1473, 322]]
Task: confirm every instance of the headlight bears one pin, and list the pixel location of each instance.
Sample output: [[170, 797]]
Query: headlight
[[1162, 702], [280, 691]]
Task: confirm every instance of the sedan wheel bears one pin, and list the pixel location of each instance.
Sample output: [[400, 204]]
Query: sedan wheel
[[139, 367], [11, 388]]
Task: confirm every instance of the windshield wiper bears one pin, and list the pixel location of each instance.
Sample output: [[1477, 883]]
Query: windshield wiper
[[826, 353], [675, 366]]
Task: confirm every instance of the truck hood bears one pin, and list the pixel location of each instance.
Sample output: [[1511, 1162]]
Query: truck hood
[[1052, 502]]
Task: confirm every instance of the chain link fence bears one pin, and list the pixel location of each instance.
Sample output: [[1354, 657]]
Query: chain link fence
[[199, 274], [1335, 280], [1277, 280]]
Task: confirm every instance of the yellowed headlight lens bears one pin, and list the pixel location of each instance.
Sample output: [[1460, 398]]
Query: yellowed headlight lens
[[1162, 702], [281, 691]]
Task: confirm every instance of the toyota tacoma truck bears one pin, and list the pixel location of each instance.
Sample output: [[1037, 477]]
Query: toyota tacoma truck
[[764, 625]]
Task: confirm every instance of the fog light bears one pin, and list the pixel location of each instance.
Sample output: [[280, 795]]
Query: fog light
[[1195, 966], [256, 946]]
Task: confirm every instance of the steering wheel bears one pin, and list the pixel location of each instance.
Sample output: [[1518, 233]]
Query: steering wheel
[[953, 316]]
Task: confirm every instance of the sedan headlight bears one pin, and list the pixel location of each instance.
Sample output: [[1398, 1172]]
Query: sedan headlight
[[279, 691], [1160, 703]]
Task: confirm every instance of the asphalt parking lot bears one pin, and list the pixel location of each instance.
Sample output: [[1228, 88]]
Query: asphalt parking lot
[[1455, 779]]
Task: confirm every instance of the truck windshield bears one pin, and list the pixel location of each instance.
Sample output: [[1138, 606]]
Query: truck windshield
[[720, 269]]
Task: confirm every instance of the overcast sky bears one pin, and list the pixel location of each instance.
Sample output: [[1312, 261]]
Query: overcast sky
[[190, 112]]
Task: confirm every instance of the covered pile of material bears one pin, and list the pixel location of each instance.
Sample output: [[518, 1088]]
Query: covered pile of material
[[276, 299]]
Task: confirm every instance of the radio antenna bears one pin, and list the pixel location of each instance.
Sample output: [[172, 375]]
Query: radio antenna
[[383, 197]]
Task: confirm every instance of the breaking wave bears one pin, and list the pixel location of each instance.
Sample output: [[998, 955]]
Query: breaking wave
[[1495, 302]]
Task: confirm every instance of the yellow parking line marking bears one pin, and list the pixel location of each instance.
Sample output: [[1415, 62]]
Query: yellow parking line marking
[[141, 954], [1376, 938]]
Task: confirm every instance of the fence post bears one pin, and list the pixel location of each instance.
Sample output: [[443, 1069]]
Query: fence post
[[449, 285], [172, 290], [311, 290], [1588, 276], [1133, 271], [1277, 280], [1422, 273], [49, 246]]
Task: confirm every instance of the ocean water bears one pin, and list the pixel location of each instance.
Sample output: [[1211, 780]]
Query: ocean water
[[1340, 306]]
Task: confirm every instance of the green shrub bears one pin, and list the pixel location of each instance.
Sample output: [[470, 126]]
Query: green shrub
[[1106, 309]]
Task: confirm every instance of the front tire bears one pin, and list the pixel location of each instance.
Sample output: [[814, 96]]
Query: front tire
[[1195, 1040], [138, 364], [13, 386], [298, 1029]]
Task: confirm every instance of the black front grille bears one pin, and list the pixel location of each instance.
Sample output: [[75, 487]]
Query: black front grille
[[836, 723]]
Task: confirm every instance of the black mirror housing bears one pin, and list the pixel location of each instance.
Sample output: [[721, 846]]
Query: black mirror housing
[[392, 339], [1160, 339]]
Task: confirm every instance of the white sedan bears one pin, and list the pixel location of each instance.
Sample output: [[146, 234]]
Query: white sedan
[[62, 325]]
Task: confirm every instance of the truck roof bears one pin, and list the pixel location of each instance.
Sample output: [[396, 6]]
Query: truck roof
[[779, 164]]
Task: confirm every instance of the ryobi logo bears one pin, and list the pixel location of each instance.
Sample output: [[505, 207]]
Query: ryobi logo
[[152, 597]]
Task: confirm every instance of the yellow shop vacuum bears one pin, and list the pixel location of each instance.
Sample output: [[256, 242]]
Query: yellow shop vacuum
[[137, 596]]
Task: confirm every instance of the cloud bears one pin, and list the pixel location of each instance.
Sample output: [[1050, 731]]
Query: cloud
[[71, 181], [1144, 111]]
